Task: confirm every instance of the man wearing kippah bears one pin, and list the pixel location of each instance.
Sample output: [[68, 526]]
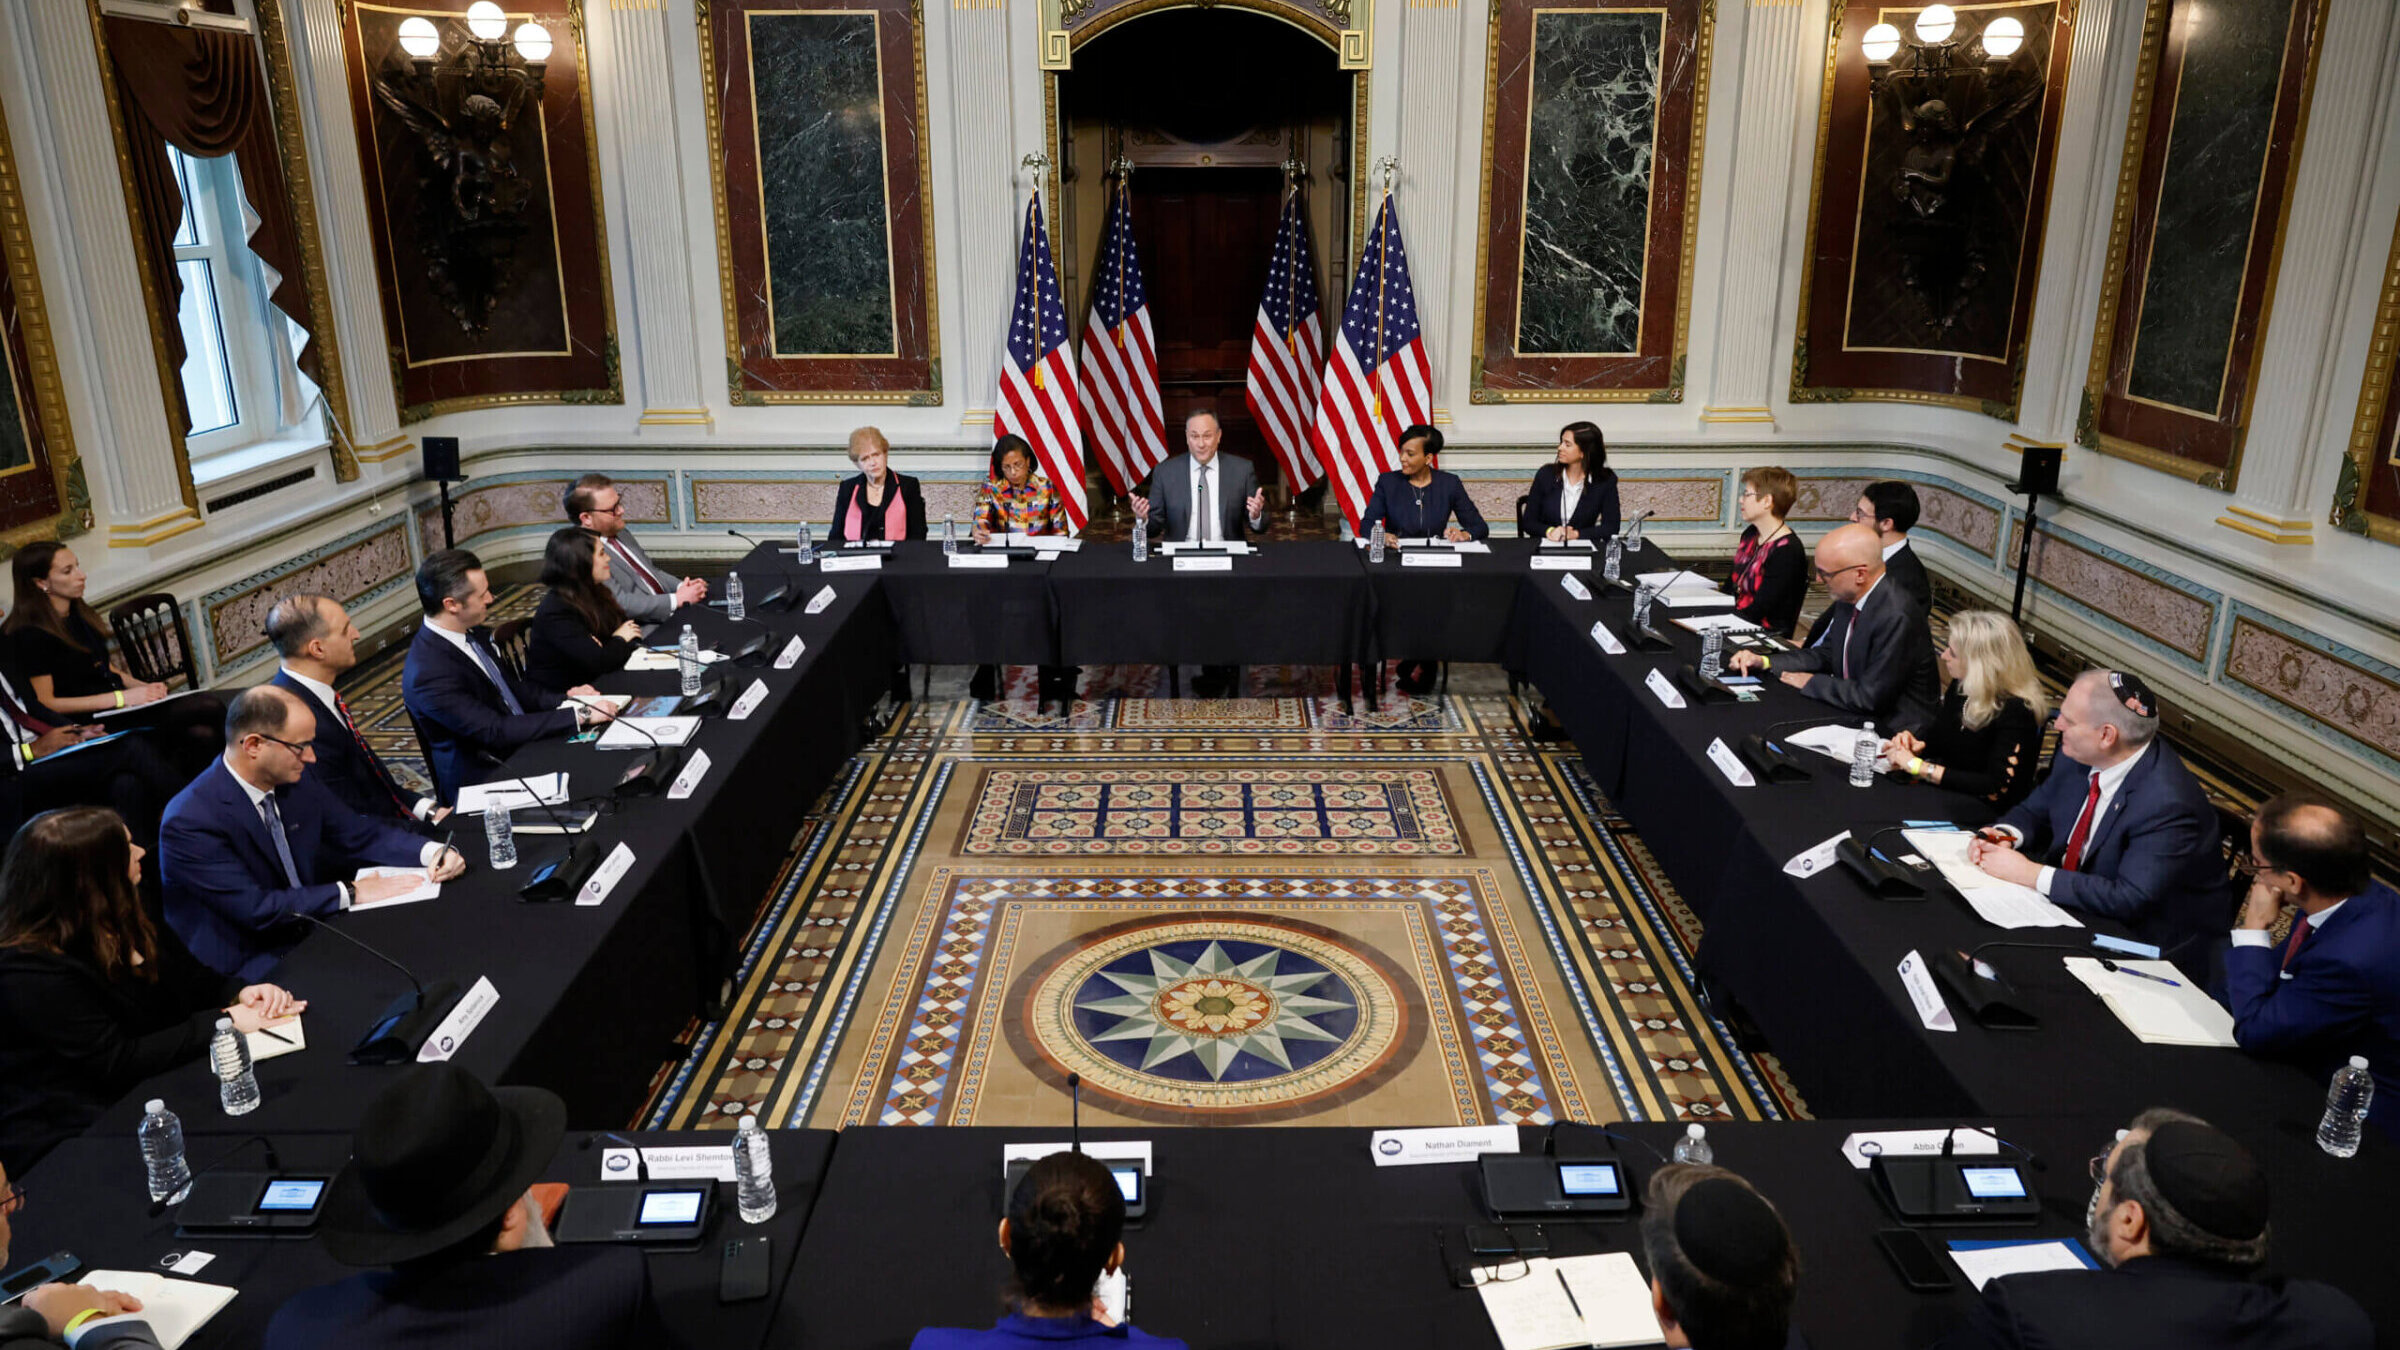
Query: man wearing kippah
[[2120, 828], [1722, 1265], [2179, 1223]]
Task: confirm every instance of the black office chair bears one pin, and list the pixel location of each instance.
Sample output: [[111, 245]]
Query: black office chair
[[425, 750]]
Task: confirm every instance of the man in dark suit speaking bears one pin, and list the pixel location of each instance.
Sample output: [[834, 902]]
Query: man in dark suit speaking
[[2119, 827], [1872, 654], [255, 840], [1202, 497], [2179, 1224], [2332, 989]]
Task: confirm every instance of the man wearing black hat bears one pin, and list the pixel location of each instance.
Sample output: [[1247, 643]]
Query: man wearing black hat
[[1722, 1266], [2179, 1221], [436, 1192], [2120, 828]]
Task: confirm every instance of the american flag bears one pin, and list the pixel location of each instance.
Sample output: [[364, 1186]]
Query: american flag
[[1287, 351], [1378, 379], [1120, 361], [1037, 380]]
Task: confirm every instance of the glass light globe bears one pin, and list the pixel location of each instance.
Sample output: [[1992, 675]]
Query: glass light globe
[[419, 38], [533, 43], [1883, 43], [2002, 37], [1933, 24], [488, 21]]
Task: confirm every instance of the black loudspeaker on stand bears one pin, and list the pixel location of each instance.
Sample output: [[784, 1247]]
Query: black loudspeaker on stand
[[441, 466], [2037, 474]]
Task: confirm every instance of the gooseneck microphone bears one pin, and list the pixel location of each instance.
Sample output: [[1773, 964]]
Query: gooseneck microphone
[[562, 877], [265, 1145], [788, 591], [1075, 1112], [397, 1035]]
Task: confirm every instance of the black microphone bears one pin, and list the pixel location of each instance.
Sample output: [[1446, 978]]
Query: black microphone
[[397, 1036], [787, 590], [561, 878], [1075, 1113], [2084, 948], [266, 1145], [651, 771]]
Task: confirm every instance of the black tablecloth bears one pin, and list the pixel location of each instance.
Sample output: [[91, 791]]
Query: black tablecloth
[[591, 998], [1303, 603], [967, 615], [1447, 613], [88, 1198], [1293, 1237]]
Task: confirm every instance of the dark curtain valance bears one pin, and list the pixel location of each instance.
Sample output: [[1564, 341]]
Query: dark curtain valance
[[204, 91]]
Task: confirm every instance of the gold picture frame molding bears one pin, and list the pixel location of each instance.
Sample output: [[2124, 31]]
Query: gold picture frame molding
[[45, 403]]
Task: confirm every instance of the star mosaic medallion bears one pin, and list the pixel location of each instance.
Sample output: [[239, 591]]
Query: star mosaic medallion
[[1215, 1008]]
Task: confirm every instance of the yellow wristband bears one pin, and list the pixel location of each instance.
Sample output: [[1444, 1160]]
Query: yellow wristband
[[78, 1320], [120, 698], [1916, 767], [1765, 662]]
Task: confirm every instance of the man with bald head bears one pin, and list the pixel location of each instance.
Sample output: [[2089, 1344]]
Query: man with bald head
[[1871, 654], [318, 642], [256, 839], [2332, 988], [2119, 827]]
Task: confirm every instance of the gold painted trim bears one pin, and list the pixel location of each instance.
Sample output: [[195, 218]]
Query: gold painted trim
[[386, 450], [1293, 15], [1703, 64], [44, 406], [676, 417], [883, 185], [180, 521], [2263, 518], [713, 104], [1742, 413], [2269, 533], [980, 417], [2367, 453], [168, 380]]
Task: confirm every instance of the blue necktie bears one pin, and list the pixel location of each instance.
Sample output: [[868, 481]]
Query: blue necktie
[[491, 668], [273, 816]]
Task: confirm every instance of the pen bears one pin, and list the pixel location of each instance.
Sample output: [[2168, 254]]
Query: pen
[[272, 1036], [2142, 974], [1562, 1283]]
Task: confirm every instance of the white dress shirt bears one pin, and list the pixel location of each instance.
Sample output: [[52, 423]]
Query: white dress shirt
[[2260, 937], [1570, 496], [327, 698], [1207, 480], [2111, 778], [1892, 548]]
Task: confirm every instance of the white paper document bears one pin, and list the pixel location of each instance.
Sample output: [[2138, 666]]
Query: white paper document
[[425, 889], [625, 733], [1573, 1301], [2004, 904], [1047, 543], [2158, 1012], [648, 659], [1682, 579], [1833, 742], [475, 798], [1679, 598], [1725, 623], [1175, 546], [1983, 1262], [173, 1308]]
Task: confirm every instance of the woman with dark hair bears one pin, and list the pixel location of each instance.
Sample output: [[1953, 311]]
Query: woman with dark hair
[[1574, 496], [580, 632], [1017, 498], [877, 502], [1419, 501], [1061, 1235], [94, 997], [1770, 568], [57, 653]]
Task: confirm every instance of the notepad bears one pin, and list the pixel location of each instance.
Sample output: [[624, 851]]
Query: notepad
[[263, 1046], [475, 797], [426, 888], [1539, 1311], [1985, 1260], [173, 1308], [2159, 1014]]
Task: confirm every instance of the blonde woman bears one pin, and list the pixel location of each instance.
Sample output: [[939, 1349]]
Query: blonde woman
[[1988, 733], [877, 502]]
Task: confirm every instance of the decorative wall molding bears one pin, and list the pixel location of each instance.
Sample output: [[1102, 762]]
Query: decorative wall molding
[[529, 503], [1966, 517], [358, 569], [2315, 683], [2123, 593], [40, 478]]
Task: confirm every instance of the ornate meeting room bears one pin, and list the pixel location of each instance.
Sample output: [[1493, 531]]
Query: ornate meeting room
[[968, 674]]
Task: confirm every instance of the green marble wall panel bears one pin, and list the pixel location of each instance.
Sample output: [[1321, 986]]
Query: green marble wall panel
[[819, 100], [1589, 139]]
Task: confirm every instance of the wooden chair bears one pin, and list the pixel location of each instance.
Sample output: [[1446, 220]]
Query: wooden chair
[[151, 637], [513, 640]]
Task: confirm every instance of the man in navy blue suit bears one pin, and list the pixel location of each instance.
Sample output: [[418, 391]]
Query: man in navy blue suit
[[318, 642], [471, 709], [2332, 989], [2120, 828], [255, 840]]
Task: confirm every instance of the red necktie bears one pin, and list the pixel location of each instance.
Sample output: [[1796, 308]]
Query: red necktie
[[625, 555], [367, 750], [2301, 928], [2083, 827]]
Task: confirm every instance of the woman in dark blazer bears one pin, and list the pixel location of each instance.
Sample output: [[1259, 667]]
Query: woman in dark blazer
[[580, 632], [1770, 568], [59, 655], [1987, 735], [876, 502], [1419, 501], [1575, 495], [94, 997]]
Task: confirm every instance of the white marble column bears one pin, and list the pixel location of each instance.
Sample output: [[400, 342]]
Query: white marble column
[[984, 216], [1432, 185], [628, 74], [139, 491], [1781, 72], [321, 81], [2091, 133], [2300, 415]]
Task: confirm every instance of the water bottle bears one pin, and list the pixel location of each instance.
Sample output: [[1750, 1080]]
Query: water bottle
[[735, 608], [753, 1172], [2346, 1108], [1712, 652], [229, 1055], [1693, 1147], [162, 1153], [807, 545], [949, 534], [1375, 543], [501, 835], [1141, 540], [1862, 757], [1633, 537], [687, 660], [1643, 594], [1616, 559]]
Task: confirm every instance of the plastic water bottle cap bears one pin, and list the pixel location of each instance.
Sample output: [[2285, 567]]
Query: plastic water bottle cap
[[224, 1024], [1696, 1131], [749, 1122], [153, 1106], [2358, 1061]]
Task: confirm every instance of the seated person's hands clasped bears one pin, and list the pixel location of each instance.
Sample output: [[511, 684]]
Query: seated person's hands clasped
[[691, 591], [628, 631], [1559, 534], [588, 707], [259, 1004]]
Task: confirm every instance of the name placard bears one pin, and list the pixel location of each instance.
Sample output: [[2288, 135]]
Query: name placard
[[1607, 640], [748, 702], [612, 870], [852, 562], [1548, 562], [1664, 688], [461, 1022], [1407, 1148], [1203, 562], [1429, 558], [817, 603], [790, 656], [986, 561], [694, 769]]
